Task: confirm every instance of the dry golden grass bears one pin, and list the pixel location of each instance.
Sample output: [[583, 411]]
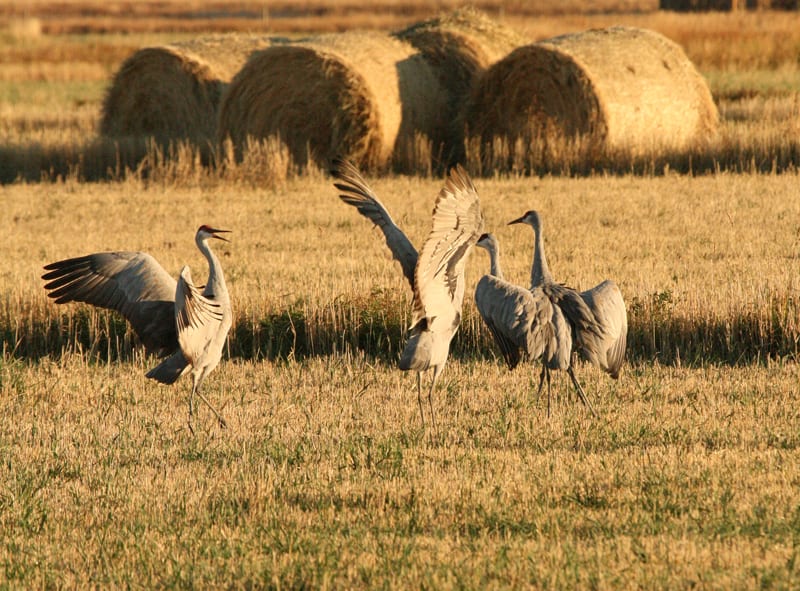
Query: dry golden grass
[[271, 15], [324, 478], [708, 265], [55, 134], [711, 40], [51, 90]]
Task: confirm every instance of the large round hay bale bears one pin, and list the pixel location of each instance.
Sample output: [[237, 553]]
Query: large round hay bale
[[619, 87], [363, 96], [460, 46], [172, 92]]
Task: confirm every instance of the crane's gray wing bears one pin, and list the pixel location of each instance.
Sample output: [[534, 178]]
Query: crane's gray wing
[[132, 283], [197, 318], [356, 192], [587, 333], [606, 303], [457, 225], [519, 319]]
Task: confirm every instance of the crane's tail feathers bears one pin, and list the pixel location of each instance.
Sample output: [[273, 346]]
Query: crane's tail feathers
[[169, 370]]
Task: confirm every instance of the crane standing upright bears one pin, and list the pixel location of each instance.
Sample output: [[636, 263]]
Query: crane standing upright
[[598, 316], [436, 274], [525, 323], [173, 319]]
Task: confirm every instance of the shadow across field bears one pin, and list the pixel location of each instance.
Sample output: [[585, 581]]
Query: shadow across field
[[104, 159], [375, 326]]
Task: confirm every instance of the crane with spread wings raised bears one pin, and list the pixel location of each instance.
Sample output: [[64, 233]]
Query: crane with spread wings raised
[[435, 274], [184, 323]]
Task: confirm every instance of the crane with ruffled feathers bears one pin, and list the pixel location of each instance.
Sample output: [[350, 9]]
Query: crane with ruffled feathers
[[184, 323], [525, 323]]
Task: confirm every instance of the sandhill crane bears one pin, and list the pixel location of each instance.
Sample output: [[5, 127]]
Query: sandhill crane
[[525, 323], [436, 274], [173, 319], [600, 340]]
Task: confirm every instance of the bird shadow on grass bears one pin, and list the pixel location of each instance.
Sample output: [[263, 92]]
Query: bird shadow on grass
[[377, 330]]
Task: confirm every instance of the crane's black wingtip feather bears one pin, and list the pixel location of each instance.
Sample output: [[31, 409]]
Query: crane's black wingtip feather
[[343, 187]]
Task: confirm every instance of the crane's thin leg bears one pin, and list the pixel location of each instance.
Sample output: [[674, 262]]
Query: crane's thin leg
[[547, 373], [573, 357], [197, 380], [541, 383], [419, 397], [581, 393], [191, 403], [436, 370], [222, 422]]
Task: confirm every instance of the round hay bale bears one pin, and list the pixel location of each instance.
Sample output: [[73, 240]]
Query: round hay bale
[[619, 87], [460, 46], [172, 92], [364, 96]]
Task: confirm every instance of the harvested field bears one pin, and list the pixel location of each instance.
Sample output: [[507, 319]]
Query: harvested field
[[324, 476]]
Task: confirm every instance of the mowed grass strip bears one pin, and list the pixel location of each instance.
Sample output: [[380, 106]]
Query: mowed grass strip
[[325, 479]]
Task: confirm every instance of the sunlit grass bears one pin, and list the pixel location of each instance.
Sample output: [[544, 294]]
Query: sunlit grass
[[325, 478], [708, 265], [780, 82], [51, 91]]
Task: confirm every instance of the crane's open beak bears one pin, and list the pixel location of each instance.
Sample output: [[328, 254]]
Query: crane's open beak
[[215, 232], [517, 221]]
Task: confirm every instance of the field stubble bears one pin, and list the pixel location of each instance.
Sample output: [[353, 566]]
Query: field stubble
[[324, 478], [709, 266]]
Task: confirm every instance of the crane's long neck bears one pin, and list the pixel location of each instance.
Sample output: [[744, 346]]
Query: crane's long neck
[[540, 272], [494, 261], [216, 280]]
